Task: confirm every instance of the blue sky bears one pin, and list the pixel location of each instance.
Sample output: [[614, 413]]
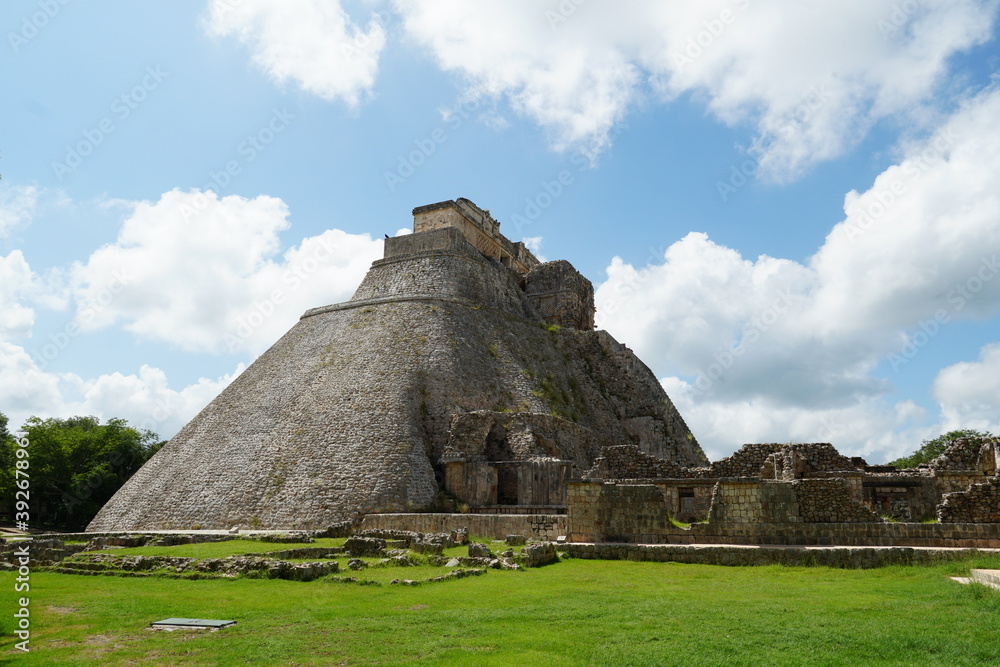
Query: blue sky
[[789, 212]]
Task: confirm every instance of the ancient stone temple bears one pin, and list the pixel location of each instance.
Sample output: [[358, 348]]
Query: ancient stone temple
[[462, 372]]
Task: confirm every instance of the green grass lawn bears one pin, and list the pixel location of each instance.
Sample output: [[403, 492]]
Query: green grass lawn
[[222, 549], [574, 612]]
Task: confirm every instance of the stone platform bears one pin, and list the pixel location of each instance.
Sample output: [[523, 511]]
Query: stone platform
[[736, 555]]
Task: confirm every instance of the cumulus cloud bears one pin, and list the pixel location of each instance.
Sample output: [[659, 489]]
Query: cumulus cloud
[[17, 204], [776, 349], [313, 43], [577, 68], [969, 392], [204, 273], [145, 400], [16, 282], [872, 427]]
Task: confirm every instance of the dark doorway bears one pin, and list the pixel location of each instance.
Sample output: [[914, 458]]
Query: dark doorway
[[506, 485]]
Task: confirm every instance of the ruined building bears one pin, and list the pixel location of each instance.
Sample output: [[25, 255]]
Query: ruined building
[[806, 493], [462, 371]]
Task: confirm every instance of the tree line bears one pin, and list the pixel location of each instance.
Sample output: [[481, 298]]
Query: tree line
[[74, 467]]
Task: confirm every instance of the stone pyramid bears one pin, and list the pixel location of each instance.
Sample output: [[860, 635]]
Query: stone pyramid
[[462, 370]]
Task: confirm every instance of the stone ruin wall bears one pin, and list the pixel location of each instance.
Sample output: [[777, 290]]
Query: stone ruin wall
[[745, 462], [628, 462], [803, 485], [560, 295], [778, 502], [616, 513], [979, 504]]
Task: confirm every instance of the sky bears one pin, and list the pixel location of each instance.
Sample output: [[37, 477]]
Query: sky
[[789, 211]]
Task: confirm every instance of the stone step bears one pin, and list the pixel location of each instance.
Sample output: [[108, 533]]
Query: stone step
[[986, 577], [989, 578]]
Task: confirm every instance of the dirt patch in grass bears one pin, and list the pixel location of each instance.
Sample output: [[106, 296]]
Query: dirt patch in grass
[[62, 610]]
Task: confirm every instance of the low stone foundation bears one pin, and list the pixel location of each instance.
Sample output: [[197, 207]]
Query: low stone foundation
[[961, 535], [842, 557], [496, 526]]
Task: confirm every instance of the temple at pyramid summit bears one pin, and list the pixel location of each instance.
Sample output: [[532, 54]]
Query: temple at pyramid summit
[[463, 372]]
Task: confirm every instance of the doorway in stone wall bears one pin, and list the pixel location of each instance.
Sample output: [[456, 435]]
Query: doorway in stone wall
[[506, 485]]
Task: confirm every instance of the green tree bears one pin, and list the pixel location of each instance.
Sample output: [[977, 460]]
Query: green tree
[[931, 449], [76, 465]]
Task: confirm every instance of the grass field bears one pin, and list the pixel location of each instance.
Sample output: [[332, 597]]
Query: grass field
[[573, 612]]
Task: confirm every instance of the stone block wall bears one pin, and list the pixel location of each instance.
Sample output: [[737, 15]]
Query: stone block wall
[[973, 454], [829, 501], [561, 295], [859, 557], [616, 512], [745, 462], [629, 462], [980, 504], [954, 481], [688, 500], [798, 460], [737, 501]]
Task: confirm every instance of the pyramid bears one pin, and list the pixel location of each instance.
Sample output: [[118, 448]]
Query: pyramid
[[462, 370]]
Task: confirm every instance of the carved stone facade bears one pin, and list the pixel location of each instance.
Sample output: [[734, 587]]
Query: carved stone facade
[[478, 227]]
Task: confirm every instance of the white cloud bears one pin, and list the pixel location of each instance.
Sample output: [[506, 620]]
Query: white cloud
[[969, 392], [577, 68], [144, 400], [203, 273], [17, 205], [534, 244], [147, 401], [16, 282], [773, 348], [872, 428], [311, 42]]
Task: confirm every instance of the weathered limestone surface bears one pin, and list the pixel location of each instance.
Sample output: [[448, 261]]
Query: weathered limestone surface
[[799, 501], [350, 412], [629, 462], [980, 504]]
